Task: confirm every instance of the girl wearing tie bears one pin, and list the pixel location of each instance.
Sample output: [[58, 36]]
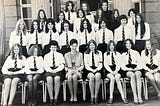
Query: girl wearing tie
[[93, 65], [74, 66], [35, 69], [35, 37], [131, 69], [103, 36], [13, 70], [41, 19], [132, 17], [150, 63], [60, 19], [54, 65], [112, 65], [20, 36], [85, 34], [50, 34]]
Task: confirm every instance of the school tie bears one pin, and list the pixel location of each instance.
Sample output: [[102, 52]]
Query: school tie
[[69, 15], [86, 35], [34, 62], [129, 58], [151, 59], [15, 63], [123, 34], [36, 38], [50, 36], [113, 60], [21, 38], [93, 61], [133, 21], [53, 61], [103, 35], [67, 42]]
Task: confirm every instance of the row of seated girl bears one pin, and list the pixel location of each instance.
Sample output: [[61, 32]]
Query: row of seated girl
[[128, 64]]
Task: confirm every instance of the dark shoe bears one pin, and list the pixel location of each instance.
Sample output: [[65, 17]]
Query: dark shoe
[[125, 101], [55, 101], [140, 101], [29, 104], [92, 101], [96, 101], [51, 102], [110, 101]]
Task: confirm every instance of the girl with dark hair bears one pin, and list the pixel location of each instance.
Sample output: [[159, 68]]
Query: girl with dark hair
[[89, 15], [93, 65], [142, 32], [122, 33], [60, 19], [112, 66], [20, 36], [34, 72], [13, 70], [78, 20], [65, 37], [115, 22], [74, 66], [69, 13], [51, 34], [41, 19], [132, 17], [54, 65], [85, 34], [35, 37], [131, 69], [103, 36], [150, 63]]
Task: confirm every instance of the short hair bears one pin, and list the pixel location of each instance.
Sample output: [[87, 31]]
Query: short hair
[[133, 10], [31, 50], [50, 20], [32, 28], [123, 17], [67, 4], [12, 51], [102, 20], [72, 41]]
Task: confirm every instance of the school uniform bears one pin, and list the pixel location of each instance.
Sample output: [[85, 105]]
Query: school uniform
[[14, 68], [139, 40], [35, 38], [74, 62], [103, 36], [65, 38], [93, 61], [120, 35], [54, 64], [90, 17], [77, 24], [130, 60], [42, 25], [59, 26], [47, 38], [21, 39], [84, 38]]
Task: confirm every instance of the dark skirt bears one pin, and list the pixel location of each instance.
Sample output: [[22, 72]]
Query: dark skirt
[[41, 76], [120, 47], [140, 45], [61, 74], [22, 77], [24, 51], [82, 48], [65, 49], [102, 47]]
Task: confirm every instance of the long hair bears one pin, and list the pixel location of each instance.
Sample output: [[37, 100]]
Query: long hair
[[32, 28], [142, 26], [132, 10], [88, 9], [97, 15], [88, 48], [17, 28], [59, 14], [82, 12], [67, 4], [50, 20], [102, 20], [38, 17], [31, 50], [130, 42], [66, 22], [89, 27], [109, 44], [12, 51], [112, 16], [153, 49]]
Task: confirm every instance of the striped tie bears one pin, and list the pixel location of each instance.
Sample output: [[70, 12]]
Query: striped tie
[[103, 35], [129, 58], [86, 36], [34, 62], [69, 15], [15, 63], [113, 61], [21, 38], [50, 36], [123, 34], [36, 38], [67, 42], [53, 61], [93, 62], [151, 59]]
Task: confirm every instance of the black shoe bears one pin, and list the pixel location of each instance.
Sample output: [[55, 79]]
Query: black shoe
[[55, 101], [125, 101], [29, 104], [51, 102], [92, 101], [96, 101], [110, 101]]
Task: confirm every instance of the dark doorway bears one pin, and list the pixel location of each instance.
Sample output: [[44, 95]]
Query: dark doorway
[[93, 4]]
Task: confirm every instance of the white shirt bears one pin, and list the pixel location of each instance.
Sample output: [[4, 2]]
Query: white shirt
[[97, 60], [118, 33], [59, 62], [58, 26], [72, 16], [46, 37], [10, 63], [146, 35], [134, 56], [16, 39], [108, 61], [39, 64], [108, 35], [82, 39], [90, 18], [76, 25], [32, 38]]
